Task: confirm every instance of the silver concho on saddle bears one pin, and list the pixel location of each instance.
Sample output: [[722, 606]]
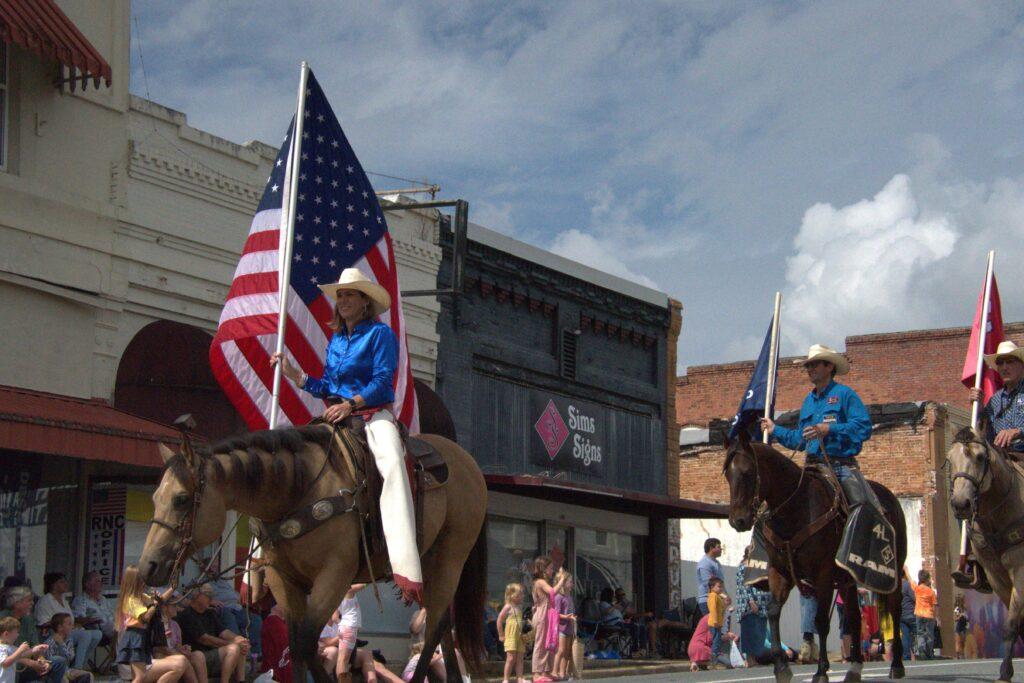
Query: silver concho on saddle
[[868, 548]]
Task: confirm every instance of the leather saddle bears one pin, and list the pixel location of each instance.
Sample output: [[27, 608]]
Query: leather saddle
[[427, 471]]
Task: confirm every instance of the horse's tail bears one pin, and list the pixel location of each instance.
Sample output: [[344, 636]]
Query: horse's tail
[[468, 605]]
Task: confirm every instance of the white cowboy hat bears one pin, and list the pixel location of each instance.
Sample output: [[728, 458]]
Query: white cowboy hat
[[1006, 348], [821, 352], [353, 278]]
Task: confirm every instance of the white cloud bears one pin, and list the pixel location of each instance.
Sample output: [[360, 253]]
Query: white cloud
[[591, 251], [685, 140], [910, 257]]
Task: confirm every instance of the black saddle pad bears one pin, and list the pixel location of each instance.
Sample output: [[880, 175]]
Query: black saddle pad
[[756, 574], [868, 550]]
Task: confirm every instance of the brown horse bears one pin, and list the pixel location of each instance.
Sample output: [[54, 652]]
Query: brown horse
[[267, 475], [988, 492], [797, 502]]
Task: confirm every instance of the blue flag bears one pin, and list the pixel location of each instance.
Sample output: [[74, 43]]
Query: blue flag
[[752, 405]]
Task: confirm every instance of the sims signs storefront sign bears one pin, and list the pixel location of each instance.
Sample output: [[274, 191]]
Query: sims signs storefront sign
[[569, 434]]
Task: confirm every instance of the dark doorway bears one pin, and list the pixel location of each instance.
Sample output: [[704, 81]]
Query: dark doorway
[[165, 372]]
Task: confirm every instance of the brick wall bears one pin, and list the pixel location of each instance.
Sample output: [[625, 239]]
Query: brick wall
[[920, 365]]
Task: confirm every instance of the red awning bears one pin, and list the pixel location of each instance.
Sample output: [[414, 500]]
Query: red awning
[[41, 26], [604, 497], [39, 422]]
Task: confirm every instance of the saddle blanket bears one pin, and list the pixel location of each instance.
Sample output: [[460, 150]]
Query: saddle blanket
[[868, 550]]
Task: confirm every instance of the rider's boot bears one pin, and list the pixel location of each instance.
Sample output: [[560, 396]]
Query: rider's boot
[[397, 514], [971, 575]]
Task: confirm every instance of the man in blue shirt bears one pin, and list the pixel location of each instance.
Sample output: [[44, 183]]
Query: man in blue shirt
[[834, 416], [1003, 417], [832, 413], [707, 567], [1004, 412]]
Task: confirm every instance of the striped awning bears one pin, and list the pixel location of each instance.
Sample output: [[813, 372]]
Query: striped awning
[[41, 27]]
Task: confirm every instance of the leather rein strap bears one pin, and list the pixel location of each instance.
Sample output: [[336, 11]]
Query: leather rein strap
[[788, 546]]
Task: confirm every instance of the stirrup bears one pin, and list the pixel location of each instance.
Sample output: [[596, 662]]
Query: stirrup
[[972, 577]]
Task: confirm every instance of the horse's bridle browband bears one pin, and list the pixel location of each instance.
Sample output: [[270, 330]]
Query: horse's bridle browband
[[184, 528], [978, 481]]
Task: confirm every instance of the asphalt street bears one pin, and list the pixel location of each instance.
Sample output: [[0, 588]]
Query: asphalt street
[[944, 670]]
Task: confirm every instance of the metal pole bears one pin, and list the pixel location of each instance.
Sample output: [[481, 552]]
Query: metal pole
[[287, 235], [982, 333], [773, 363]]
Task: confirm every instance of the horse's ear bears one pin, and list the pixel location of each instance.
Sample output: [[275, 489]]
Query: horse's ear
[[744, 437], [165, 453]]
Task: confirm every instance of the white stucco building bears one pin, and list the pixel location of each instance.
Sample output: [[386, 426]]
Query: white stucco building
[[120, 230]]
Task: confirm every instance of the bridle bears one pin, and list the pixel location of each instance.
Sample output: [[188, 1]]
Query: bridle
[[757, 500], [185, 527], [758, 505], [977, 482]]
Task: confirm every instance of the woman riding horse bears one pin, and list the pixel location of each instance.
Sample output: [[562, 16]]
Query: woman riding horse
[[358, 380]]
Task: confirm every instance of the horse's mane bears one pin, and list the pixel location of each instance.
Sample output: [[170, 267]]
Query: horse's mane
[[759, 449], [965, 436], [252, 473]]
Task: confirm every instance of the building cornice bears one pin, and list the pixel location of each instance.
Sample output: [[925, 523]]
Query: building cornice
[[497, 264], [190, 178]]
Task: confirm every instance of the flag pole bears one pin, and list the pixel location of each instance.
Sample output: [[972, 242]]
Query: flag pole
[[976, 405], [287, 235], [773, 362], [982, 333]]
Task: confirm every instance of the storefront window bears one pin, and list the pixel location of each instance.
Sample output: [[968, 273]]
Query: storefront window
[[606, 559], [512, 545], [23, 515]]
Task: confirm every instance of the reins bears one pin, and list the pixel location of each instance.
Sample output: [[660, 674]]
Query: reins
[[977, 482], [186, 527]]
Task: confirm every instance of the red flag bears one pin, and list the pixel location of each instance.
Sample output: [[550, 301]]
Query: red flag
[[990, 380]]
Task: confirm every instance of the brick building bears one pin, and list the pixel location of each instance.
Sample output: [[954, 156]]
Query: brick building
[[911, 384]]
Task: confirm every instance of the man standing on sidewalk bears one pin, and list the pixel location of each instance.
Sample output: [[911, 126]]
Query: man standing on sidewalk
[[707, 567]]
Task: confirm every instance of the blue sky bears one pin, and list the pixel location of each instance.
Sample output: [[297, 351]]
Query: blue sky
[[861, 157]]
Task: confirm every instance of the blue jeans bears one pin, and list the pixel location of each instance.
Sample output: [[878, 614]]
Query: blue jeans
[[703, 607], [85, 644], [808, 612], [843, 472], [908, 628], [753, 630], [925, 638], [716, 642], [58, 667], [233, 618]]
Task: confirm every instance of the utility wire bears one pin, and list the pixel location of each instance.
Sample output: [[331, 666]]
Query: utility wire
[[145, 82]]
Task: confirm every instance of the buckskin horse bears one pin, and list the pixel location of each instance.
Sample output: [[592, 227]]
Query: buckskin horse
[[269, 476], [986, 491], [803, 526]]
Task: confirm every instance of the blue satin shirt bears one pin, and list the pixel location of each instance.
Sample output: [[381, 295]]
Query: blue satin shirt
[[362, 363], [849, 424]]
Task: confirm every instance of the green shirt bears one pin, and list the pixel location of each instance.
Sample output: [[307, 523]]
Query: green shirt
[[28, 631]]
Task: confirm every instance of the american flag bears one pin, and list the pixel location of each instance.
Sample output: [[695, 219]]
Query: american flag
[[338, 224]]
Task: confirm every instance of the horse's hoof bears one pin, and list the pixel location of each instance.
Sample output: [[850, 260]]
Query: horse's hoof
[[895, 673], [851, 677], [784, 676], [820, 678]]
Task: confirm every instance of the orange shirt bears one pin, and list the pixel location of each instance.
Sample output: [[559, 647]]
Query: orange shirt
[[716, 610], [925, 603]]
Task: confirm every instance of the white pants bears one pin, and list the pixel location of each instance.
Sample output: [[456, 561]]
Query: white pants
[[397, 514]]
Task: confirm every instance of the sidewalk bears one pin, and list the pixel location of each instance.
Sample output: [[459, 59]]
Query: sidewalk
[[603, 668]]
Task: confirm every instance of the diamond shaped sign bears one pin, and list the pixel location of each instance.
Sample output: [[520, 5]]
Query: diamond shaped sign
[[552, 429]]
